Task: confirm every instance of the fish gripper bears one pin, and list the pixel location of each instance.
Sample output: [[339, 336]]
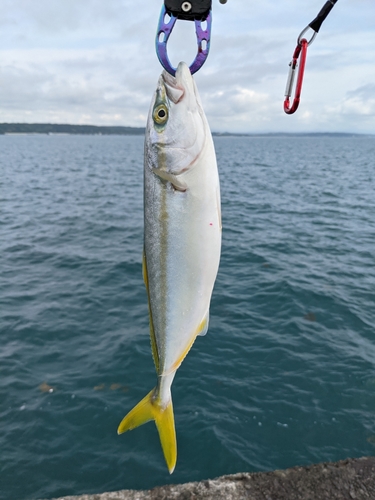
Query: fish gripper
[[198, 11]]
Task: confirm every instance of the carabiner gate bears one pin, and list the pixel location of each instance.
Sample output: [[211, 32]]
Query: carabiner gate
[[165, 29], [300, 51]]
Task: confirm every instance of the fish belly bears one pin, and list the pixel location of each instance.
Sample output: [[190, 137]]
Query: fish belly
[[182, 252]]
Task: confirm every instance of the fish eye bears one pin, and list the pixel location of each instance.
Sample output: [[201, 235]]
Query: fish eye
[[160, 114]]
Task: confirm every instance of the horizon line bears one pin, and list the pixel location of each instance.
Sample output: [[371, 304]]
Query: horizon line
[[7, 128]]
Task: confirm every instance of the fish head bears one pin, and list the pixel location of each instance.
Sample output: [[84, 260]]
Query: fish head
[[176, 126]]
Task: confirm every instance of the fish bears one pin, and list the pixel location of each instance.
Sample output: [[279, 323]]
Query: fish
[[182, 240]]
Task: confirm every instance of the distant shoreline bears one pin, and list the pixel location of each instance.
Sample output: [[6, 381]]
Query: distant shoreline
[[67, 129], [52, 128]]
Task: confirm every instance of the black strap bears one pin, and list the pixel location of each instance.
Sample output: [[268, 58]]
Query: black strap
[[318, 21]]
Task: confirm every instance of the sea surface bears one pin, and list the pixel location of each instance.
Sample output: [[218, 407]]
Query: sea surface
[[285, 375]]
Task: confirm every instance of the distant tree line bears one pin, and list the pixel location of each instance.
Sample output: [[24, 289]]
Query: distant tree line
[[51, 128]]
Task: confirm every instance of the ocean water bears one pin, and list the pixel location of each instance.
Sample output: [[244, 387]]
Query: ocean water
[[285, 375]]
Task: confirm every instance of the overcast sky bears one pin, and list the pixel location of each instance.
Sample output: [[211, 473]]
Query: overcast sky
[[94, 62]]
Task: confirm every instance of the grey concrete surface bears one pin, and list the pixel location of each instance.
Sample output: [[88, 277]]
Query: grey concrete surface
[[352, 479]]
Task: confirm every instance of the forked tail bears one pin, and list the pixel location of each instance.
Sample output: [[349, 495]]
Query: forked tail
[[150, 408]]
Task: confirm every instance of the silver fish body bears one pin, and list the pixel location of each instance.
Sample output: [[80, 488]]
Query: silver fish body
[[182, 239]]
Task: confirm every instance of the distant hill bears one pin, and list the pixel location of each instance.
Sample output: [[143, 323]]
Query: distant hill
[[287, 134], [51, 128]]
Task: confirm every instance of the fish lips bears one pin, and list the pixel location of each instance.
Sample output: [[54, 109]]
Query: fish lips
[[180, 85]]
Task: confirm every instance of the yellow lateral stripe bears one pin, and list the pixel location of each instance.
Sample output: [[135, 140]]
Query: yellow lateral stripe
[[144, 270], [154, 347]]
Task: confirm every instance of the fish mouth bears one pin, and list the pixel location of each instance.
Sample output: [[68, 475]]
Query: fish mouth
[[176, 86], [173, 89]]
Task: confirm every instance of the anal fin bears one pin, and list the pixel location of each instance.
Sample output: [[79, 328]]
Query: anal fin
[[203, 327]]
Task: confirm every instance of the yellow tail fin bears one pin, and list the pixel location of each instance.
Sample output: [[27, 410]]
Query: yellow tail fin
[[150, 409]]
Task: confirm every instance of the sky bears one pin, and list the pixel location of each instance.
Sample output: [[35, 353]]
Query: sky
[[94, 62]]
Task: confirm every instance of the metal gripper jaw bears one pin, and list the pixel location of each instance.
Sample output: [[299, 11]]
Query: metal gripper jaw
[[198, 11]]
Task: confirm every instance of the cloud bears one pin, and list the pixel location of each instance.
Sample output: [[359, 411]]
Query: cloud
[[249, 107], [366, 92], [69, 83], [94, 62], [46, 17], [357, 103]]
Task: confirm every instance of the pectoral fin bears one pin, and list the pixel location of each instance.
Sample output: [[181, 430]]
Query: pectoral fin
[[176, 182]]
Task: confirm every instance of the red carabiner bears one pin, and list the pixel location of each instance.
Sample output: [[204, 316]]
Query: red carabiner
[[301, 50]]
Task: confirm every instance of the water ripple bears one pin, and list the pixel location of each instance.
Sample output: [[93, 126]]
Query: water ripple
[[286, 373]]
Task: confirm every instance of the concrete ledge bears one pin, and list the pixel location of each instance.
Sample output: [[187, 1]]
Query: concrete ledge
[[352, 479]]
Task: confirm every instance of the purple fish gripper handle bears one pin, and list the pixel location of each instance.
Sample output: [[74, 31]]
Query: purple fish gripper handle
[[163, 33]]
